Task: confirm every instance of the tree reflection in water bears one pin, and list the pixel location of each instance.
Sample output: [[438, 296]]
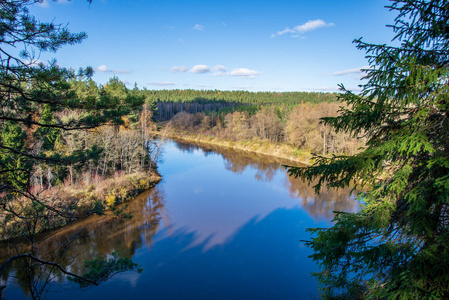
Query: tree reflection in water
[[84, 240], [318, 206], [191, 246]]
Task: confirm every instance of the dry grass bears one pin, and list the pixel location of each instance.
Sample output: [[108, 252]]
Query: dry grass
[[255, 145], [75, 201]]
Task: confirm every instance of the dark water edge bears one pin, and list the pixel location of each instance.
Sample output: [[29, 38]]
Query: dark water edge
[[222, 224]]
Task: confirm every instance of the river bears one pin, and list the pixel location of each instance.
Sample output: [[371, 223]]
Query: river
[[221, 225]]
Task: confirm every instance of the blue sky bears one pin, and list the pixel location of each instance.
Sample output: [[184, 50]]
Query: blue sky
[[228, 45]]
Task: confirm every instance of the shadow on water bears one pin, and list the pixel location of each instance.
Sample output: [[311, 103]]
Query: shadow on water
[[260, 261], [261, 257]]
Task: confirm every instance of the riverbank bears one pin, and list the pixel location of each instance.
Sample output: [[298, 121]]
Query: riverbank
[[76, 202], [255, 145]]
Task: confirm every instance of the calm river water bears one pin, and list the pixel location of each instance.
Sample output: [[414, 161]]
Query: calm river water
[[220, 225]]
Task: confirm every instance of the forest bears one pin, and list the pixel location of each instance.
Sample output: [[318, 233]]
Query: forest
[[94, 161], [292, 118], [71, 148], [100, 165], [170, 102], [298, 126]]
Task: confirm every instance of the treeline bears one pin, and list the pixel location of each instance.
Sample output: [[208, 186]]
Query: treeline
[[171, 102], [300, 127], [246, 97]]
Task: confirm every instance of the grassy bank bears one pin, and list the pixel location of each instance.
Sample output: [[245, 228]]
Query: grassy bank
[[75, 202], [255, 145]]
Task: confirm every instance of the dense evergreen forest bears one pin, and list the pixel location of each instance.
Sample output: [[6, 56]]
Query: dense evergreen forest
[[171, 102]]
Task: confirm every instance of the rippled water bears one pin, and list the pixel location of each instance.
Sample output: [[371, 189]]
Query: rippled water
[[220, 225]]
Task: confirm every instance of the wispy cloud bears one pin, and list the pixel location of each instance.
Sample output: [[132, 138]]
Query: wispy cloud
[[162, 83], [242, 88], [298, 30], [324, 89], [220, 68], [331, 89], [244, 72], [179, 69], [357, 72], [105, 69], [200, 69], [199, 27]]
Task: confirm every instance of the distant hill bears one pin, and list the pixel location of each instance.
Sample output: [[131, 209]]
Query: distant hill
[[170, 102]]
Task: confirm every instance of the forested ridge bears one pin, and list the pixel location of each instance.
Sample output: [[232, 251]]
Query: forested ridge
[[247, 97], [170, 102]]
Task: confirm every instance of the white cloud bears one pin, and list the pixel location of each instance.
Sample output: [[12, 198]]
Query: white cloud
[[220, 68], [355, 71], [200, 69], [199, 27], [162, 83], [104, 68], [176, 69], [312, 25], [300, 29], [243, 72], [286, 30]]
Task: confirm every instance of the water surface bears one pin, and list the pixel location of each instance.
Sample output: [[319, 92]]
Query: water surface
[[220, 225]]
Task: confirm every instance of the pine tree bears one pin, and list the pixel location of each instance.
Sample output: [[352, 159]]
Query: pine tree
[[38, 102], [34, 95], [397, 246]]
